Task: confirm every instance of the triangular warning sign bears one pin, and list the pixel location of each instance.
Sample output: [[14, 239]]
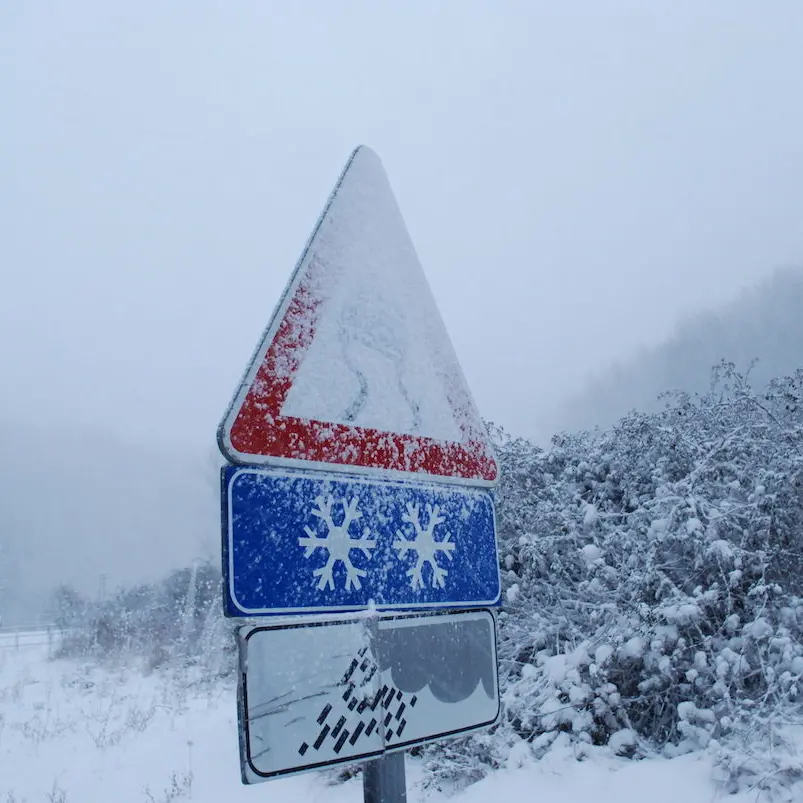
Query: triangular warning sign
[[356, 371]]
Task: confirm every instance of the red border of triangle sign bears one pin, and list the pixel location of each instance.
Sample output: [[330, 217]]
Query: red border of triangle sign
[[254, 430]]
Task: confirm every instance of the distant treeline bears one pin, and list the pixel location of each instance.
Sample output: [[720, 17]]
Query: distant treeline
[[763, 324]]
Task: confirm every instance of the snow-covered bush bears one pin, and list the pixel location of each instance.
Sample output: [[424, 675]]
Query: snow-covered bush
[[652, 572], [653, 592], [177, 619]]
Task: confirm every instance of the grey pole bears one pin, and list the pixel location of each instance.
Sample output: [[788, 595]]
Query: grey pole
[[383, 779]]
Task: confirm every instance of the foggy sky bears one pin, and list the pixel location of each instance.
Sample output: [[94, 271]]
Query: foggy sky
[[576, 177]]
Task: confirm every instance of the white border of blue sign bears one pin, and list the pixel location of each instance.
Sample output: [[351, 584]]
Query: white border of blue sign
[[233, 609]]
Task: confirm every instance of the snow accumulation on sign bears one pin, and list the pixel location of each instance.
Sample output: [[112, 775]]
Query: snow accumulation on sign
[[355, 370], [304, 542], [340, 690]]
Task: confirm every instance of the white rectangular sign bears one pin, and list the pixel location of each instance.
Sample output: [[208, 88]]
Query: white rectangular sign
[[324, 691]]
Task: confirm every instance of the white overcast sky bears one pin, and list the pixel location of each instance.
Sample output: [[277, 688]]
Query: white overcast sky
[[576, 176]]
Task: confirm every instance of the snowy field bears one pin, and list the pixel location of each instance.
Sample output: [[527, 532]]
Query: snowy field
[[74, 733]]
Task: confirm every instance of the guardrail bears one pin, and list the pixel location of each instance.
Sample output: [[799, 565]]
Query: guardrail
[[31, 635]]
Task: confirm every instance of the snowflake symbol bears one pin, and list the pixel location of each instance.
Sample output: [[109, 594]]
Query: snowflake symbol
[[337, 542], [424, 544]]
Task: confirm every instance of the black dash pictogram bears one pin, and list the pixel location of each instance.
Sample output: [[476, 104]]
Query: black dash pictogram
[[357, 731], [370, 728], [341, 741], [303, 749], [387, 719], [413, 701], [400, 711], [325, 713], [389, 735], [348, 691], [352, 703], [350, 671], [337, 728], [378, 698], [321, 737], [401, 727]]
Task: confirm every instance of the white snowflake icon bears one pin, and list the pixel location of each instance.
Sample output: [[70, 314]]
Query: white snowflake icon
[[337, 542], [424, 544]]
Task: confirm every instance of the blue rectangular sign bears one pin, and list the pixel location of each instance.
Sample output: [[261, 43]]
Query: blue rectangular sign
[[296, 542]]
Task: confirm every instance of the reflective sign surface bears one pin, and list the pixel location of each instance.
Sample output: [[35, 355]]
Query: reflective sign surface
[[327, 691], [301, 542], [356, 371]]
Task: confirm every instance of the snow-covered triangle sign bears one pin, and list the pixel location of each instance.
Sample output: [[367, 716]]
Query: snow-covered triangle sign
[[355, 371]]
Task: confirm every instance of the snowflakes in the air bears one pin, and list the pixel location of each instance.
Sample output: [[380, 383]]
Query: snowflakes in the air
[[424, 545], [337, 542]]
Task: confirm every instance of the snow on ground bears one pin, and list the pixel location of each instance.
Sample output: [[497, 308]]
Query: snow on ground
[[71, 732]]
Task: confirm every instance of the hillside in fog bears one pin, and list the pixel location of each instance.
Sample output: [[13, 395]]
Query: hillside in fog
[[81, 507], [763, 323]]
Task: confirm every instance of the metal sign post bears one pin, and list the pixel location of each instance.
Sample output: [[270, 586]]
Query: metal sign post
[[383, 780]]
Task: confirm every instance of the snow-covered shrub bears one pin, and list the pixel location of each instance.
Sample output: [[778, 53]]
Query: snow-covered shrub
[[652, 573], [177, 619]]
